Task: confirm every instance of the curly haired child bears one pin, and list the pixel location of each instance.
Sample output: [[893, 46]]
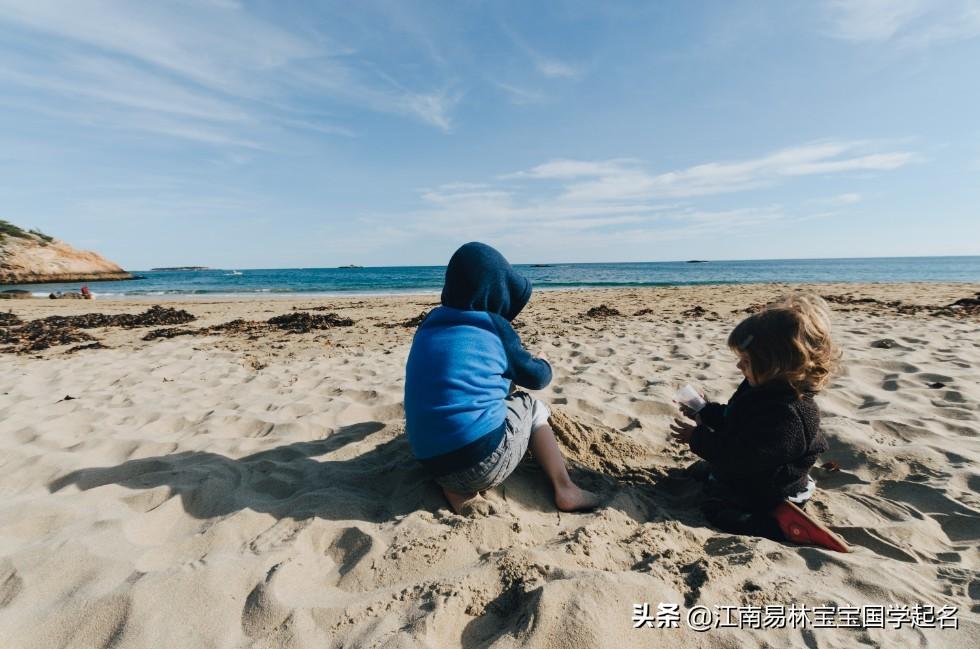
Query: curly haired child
[[761, 445]]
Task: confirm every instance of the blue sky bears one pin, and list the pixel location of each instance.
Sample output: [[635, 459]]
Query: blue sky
[[292, 134]]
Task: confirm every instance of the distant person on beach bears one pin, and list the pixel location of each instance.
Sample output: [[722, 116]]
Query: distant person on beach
[[761, 445], [464, 423]]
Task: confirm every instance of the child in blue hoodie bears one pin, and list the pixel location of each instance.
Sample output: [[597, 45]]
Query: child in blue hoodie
[[464, 423]]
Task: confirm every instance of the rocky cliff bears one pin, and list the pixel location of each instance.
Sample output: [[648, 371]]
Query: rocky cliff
[[32, 257]]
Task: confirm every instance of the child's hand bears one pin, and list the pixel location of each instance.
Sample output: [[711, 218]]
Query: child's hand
[[690, 414], [682, 431]]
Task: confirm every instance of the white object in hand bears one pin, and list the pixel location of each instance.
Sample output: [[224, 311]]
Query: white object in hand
[[690, 398]]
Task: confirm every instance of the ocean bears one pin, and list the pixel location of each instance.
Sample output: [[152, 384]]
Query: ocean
[[421, 279]]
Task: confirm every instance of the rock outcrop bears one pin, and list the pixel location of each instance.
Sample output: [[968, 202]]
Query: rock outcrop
[[32, 257]]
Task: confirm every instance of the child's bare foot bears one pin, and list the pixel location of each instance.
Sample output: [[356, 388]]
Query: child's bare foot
[[574, 499], [468, 504], [458, 501]]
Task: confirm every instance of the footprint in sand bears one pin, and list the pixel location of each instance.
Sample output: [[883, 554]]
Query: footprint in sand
[[263, 612], [283, 532]]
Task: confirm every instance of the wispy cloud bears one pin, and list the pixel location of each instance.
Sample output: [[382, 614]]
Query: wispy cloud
[[521, 96], [548, 66], [554, 68], [116, 82], [179, 39], [617, 204], [564, 168], [627, 180], [912, 23], [160, 63], [848, 198]]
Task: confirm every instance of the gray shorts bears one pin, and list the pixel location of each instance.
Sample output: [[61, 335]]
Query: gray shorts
[[524, 414]]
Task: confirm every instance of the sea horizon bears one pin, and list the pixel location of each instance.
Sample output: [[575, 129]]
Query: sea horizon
[[558, 263], [401, 280]]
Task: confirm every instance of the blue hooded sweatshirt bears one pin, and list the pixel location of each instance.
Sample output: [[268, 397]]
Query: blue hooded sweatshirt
[[463, 359]]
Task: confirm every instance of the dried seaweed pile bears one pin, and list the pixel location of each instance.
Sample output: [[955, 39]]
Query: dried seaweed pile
[[601, 311], [699, 312], [173, 332], [17, 337], [37, 335], [963, 308], [9, 319], [298, 322], [302, 322], [410, 323], [154, 316]]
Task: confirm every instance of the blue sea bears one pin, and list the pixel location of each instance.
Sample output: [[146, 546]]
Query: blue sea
[[421, 279]]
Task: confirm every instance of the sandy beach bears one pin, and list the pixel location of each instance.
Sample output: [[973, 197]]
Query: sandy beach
[[250, 485]]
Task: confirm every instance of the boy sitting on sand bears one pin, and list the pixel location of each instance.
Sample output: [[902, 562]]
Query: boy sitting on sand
[[760, 446], [463, 422]]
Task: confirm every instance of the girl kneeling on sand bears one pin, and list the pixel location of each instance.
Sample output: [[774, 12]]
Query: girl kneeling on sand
[[760, 446]]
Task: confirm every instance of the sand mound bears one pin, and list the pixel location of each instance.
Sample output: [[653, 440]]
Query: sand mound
[[601, 449]]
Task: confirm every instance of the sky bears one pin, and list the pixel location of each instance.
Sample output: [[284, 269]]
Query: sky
[[267, 134]]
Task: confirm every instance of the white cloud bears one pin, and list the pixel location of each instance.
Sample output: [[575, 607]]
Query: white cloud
[[117, 83], [849, 198], [548, 66], [625, 180], [617, 204], [565, 168], [184, 42], [171, 59], [912, 23], [384, 96]]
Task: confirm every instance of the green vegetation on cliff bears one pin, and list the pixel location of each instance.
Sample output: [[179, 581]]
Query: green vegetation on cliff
[[8, 229]]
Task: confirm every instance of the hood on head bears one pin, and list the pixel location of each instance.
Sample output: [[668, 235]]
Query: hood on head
[[479, 278]]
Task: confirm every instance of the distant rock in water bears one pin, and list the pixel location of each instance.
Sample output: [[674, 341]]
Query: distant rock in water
[[697, 261], [32, 257]]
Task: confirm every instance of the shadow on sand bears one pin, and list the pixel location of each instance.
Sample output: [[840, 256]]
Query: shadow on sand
[[287, 481], [295, 481]]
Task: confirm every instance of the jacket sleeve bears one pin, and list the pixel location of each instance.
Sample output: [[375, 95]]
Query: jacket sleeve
[[522, 368], [760, 441], [713, 415]]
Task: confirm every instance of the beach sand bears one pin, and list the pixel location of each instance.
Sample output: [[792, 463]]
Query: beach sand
[[253, 487]]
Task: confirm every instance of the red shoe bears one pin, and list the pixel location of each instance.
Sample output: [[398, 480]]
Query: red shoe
[[801, 529]]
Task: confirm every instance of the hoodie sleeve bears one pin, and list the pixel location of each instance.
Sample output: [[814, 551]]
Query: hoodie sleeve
[[522, 368]]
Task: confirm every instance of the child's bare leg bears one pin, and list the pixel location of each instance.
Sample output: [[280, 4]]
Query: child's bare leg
[[459, 501], [568, 497]]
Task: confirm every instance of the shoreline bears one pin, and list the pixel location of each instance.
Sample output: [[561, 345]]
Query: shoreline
[[301, 296], [384, 321]]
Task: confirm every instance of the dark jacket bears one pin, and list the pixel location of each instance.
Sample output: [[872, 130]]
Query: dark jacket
[[762, 444], [464, 357]]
